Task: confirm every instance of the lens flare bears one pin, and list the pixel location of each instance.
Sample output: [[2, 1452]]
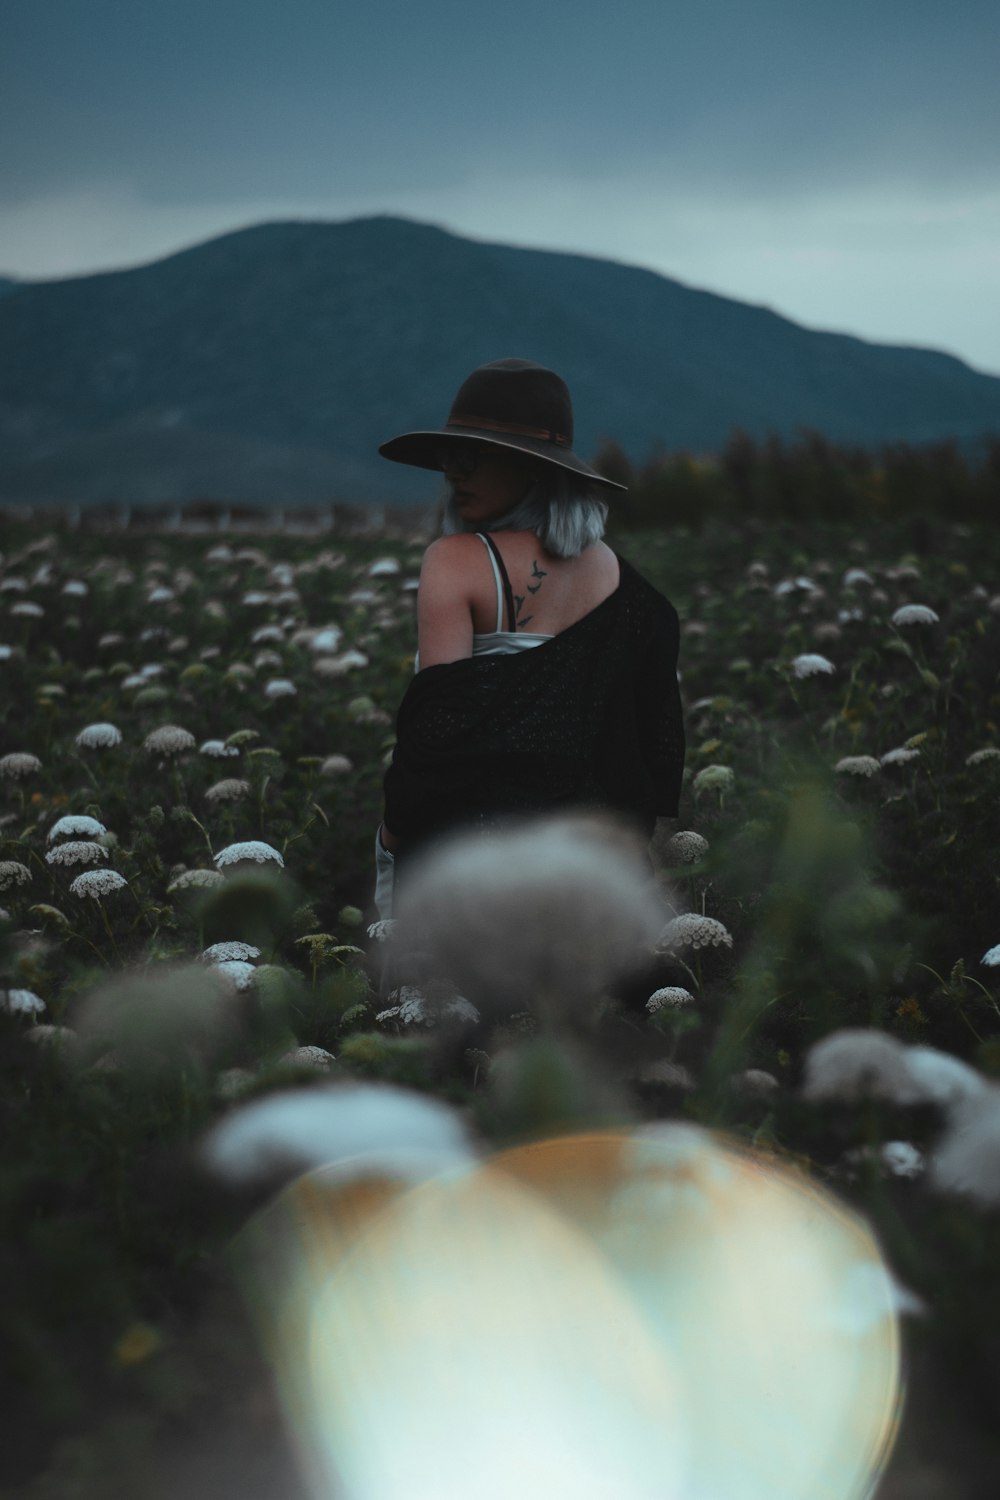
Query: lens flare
[[618, 1316]]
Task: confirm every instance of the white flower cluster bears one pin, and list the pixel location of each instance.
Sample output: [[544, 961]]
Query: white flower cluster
[[857, 1063], [76, 826], [239, 974], [686, 847], [317, 1059], [671, 996], [280, 687], [858, 765], [169, 739], [97, 883], [899, 756], [194, 880], [714, 779], [978, 757], [229, 790], [76, 852], [914, 614], [691, 930], [99, 737], [21, 1003], [991, 958], [220, 953], [217, 748], [254, 851], [336, 765], [811, 665], [18, 764], [12, 873]]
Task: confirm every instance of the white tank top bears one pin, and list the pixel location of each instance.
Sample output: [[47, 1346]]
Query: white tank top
[[498, 642]]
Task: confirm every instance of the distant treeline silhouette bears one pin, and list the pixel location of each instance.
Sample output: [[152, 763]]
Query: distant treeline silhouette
[[807, 478]]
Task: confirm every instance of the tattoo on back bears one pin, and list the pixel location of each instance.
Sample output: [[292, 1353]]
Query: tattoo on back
[[536, 572]]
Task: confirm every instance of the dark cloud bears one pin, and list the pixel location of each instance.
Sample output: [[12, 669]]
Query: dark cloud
[[240, 98]]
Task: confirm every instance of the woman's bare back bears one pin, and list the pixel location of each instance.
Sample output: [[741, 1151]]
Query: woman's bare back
[[550, 593]]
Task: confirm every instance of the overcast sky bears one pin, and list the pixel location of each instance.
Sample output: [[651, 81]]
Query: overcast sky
[[837, 160]]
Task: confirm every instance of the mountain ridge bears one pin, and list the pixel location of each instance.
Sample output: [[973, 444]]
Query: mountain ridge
[[303, 344]]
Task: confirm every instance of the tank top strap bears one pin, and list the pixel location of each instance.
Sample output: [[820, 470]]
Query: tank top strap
[[500, 578]]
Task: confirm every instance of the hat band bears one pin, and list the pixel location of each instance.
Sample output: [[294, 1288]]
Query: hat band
[[515, 428]]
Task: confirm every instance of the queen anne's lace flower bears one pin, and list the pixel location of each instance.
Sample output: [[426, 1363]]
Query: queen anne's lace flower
[[239, 974], [694, 931], [6, 652], [914, 614], [265, 633], [97, 883], [279, 687], [811, 665], [230, 790], [336, 765], [252, 850], [327, 639], [169, 739], [858, 765], [967, 1160], [899, 756], [854, 576], [217, 748], [99, 737], [194, 880], [380, 932], [18, 764], [220, 953], [28, 608], [315, 1058], [21, 1003], [339, 666], [990, 752], [991, 957], [76, 852], [686, 847], [12, 873], [714, 779], [671, 996], [383, 567], [76, 826]]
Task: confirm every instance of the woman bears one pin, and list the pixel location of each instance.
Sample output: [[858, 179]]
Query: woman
[[546, 664]]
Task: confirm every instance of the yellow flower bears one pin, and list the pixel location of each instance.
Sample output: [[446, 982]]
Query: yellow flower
[[136, 1344]]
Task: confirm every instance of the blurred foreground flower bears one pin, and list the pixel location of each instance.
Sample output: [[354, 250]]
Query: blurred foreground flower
[[651, 1314], [857, 1063], [991, 957], [967, 1160], [547, 914], [361, 1127]]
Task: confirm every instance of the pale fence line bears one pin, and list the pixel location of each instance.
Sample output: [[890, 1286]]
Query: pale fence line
[[208, 518]]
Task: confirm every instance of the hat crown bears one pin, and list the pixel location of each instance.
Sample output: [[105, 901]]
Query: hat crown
[[517, 395]]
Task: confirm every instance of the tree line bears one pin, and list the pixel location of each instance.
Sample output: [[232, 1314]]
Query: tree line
[[806, 478]]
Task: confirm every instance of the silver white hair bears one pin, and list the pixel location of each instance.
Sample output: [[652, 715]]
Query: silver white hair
[[564, 511]]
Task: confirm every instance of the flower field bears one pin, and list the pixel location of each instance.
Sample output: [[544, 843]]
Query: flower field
[[194, 732]]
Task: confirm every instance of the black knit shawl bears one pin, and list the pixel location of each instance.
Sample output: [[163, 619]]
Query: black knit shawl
[[589, 719]]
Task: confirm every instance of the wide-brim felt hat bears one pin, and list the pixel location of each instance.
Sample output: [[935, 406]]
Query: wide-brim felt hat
[[511, 403]]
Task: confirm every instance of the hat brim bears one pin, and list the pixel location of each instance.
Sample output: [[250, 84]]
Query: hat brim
[[422, 450]]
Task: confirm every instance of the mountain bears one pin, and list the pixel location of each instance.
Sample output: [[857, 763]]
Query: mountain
[[268, 364]]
